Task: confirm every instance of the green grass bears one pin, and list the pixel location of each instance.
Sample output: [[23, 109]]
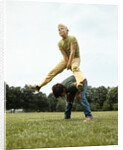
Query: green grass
[[46, 130]]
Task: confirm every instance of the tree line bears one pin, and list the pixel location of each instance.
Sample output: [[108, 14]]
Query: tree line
[[99, 98]]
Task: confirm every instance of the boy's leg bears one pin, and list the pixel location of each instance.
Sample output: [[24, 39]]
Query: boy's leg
[[76, 71], [56, 70], [68, 110], [69, 104], [84, 102]]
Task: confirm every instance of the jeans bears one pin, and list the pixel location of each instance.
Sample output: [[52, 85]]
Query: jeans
[[83, 101]]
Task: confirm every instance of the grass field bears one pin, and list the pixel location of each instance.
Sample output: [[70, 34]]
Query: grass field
[[46, 130]]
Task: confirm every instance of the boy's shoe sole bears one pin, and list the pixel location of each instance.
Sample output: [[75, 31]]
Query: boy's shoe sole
[[35, 87], [88, 119]]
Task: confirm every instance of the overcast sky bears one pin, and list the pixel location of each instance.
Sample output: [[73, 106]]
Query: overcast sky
[[32, 41]]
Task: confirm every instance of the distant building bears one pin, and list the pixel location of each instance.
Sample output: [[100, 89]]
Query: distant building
[[14, 110]]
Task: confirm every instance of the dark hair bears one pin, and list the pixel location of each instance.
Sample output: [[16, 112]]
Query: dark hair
[[57, 89]]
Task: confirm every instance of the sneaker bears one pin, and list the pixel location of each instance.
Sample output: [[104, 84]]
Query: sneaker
[[36, 88], [80, 87], [88, 119]]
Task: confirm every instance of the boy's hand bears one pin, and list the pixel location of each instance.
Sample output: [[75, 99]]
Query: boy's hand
[[75, 84], [68, 66], [78, 96]]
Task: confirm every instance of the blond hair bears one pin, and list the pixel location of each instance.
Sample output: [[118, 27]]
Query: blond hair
[[62, 26]]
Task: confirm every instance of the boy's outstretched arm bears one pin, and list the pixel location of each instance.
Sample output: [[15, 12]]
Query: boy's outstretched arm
[[72, 53]]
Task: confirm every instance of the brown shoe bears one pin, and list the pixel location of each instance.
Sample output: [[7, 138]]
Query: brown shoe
[[80, 87], [65, 118], [36, 88], [88, 119]]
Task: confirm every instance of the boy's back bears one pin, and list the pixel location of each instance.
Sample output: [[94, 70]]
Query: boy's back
[[69, 83]]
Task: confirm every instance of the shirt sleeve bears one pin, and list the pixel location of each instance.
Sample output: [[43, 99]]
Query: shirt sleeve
[[73, 39], [60, 45]]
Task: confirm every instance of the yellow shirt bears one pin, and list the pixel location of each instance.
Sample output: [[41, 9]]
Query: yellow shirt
[[65, 44]]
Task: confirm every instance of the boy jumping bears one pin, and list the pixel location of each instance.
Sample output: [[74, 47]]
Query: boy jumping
[[71, 60]]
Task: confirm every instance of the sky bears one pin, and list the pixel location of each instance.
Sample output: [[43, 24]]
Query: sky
[[32, 41]]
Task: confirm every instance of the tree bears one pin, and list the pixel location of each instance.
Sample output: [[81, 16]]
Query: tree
[[96, 96], [89, 94], [106, 106], [52, 102], [34, 102], [78, 107], [13, 97], [60, 107], [115, 106], [25, 98], [99, 95], [112, 97], [41, 102], [28, 98]]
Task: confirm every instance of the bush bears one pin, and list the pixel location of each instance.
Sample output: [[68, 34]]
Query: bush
[[60, 107], [97, 105], [106, 106], [78, 107], [115, 106], [94, 106], [112, 96]]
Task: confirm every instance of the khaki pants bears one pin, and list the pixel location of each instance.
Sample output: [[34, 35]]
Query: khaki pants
[[60, 67]]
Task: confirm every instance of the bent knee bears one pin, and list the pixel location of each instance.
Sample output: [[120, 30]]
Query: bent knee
[[75, 68]]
